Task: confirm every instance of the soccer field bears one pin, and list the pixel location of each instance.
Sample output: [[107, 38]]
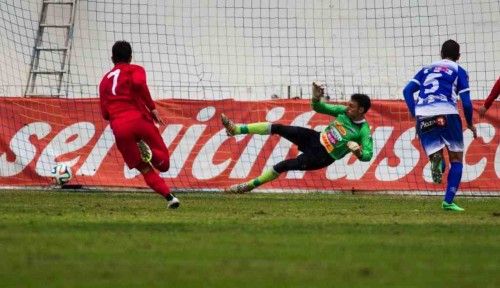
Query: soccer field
[[56, 239]]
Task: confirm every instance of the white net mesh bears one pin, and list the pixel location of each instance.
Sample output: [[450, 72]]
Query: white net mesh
[[248, 51]]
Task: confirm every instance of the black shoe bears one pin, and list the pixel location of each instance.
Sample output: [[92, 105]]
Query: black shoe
[[172, 201]]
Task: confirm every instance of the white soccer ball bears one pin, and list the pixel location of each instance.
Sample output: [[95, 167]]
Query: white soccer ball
[[61, 173]]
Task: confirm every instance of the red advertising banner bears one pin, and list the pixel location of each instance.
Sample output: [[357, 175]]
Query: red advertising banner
[[35, 134]]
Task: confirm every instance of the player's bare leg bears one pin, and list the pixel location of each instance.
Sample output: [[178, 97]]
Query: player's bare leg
[[437, 164]]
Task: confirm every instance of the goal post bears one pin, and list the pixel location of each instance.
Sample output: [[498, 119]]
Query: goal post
[[253, 61]]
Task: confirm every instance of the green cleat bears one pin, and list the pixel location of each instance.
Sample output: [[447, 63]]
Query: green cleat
[[451, 206], [146, 153], [437, 167]]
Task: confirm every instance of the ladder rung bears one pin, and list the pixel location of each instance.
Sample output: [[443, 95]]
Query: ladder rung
[[48, 72], [56, 25], [52, 49], [59, 2]]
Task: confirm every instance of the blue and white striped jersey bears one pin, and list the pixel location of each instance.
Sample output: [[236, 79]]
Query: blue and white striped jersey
[[440, 84]]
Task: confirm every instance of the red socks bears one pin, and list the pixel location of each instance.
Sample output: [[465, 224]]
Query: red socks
[[156, 183]]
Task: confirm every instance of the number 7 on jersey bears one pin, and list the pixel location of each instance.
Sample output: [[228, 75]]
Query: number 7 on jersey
[[115, 75]]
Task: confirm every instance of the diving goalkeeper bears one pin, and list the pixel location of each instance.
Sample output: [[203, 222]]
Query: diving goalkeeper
[[349, 132]]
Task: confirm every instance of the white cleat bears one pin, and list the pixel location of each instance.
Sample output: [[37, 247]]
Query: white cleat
[[173, 203]]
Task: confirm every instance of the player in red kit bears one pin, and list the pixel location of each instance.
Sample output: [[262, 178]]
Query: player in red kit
[[126, 103], [495, 91]]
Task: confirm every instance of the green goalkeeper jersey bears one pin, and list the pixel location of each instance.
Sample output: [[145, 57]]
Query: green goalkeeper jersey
[[342, 130]]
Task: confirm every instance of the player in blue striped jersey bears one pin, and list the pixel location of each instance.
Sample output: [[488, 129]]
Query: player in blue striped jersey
[[439, 86]]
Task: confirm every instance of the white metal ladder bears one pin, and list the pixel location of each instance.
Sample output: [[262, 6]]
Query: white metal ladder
[[41, 47]]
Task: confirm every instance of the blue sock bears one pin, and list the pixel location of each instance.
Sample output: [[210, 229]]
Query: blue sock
[[454, 178]]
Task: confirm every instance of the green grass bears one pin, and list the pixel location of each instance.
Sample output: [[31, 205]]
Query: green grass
[[60, 239]]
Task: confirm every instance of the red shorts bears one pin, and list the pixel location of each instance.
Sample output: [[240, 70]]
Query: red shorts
[[130, 131]]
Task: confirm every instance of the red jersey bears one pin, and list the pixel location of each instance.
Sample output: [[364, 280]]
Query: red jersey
[[124, 94], [495, 91]]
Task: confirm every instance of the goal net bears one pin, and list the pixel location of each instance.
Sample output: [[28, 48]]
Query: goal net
[[252, 60]]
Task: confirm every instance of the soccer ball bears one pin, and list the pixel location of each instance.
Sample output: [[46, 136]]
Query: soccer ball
[[61, 173]]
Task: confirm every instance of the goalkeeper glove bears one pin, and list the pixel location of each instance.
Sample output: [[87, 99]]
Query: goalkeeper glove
[[317, 91], [353, 146]]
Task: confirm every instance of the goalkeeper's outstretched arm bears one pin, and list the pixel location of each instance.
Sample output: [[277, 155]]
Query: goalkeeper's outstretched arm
[[322, 107]]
